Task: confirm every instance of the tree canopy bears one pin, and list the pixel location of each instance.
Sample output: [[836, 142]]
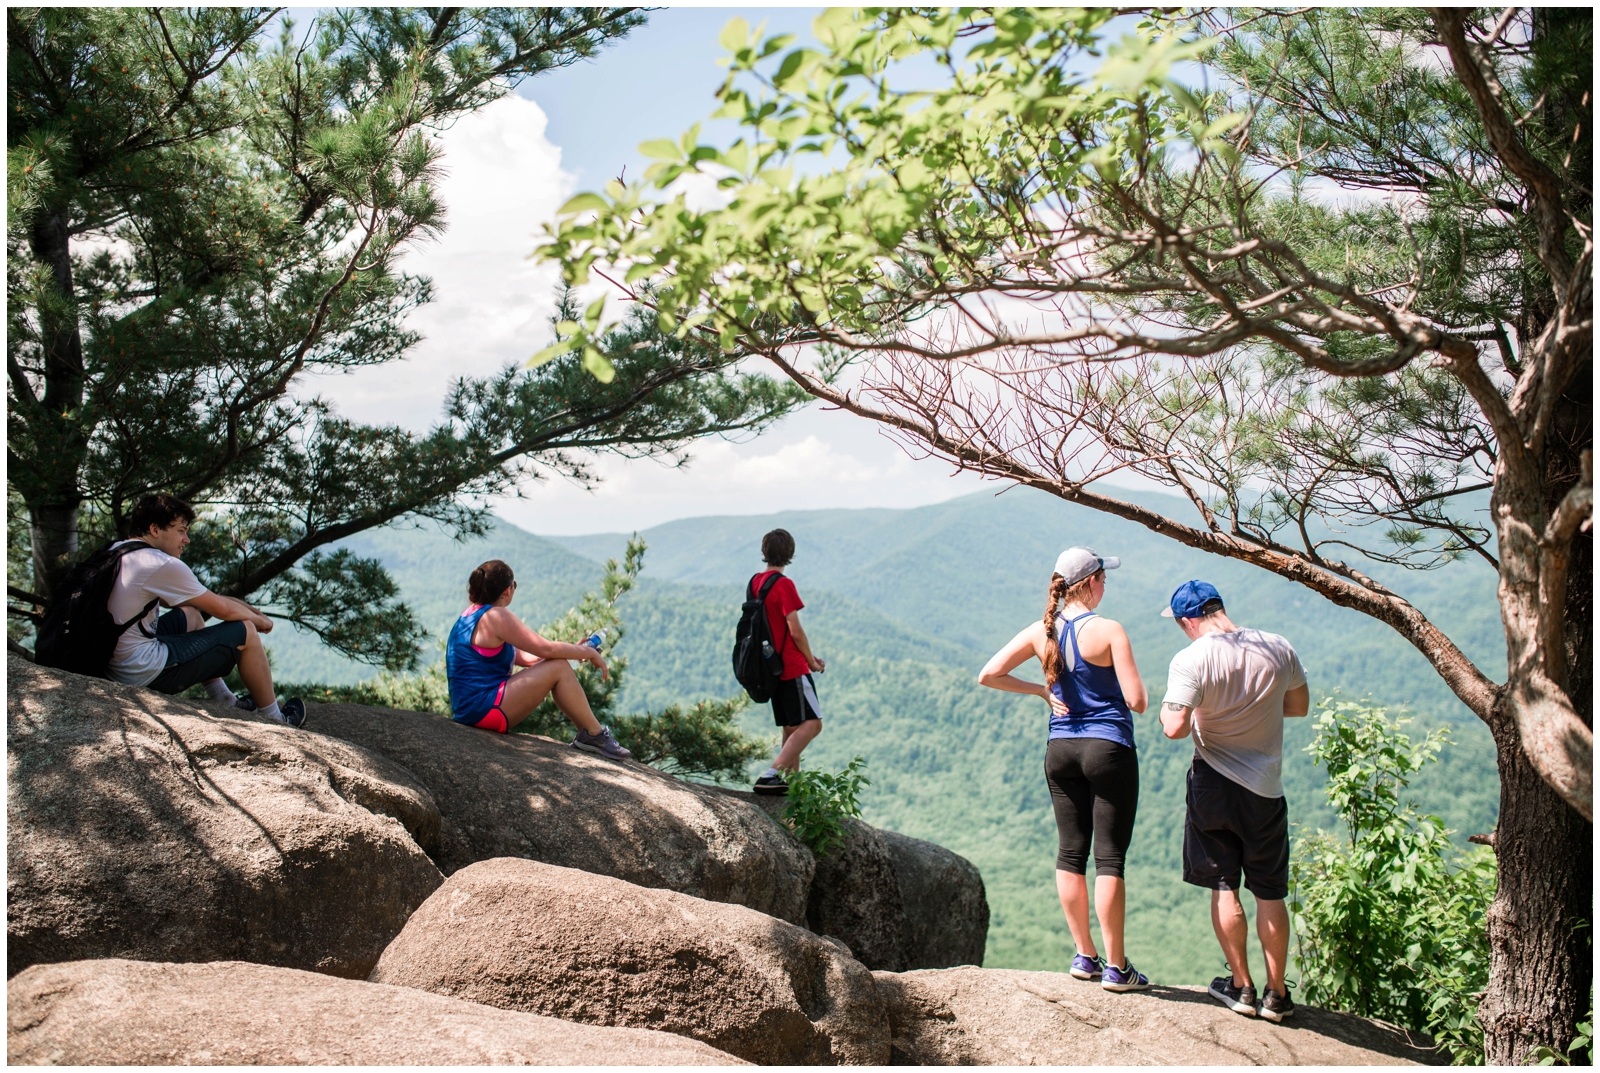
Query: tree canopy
[[206, 206], [1319, 270]]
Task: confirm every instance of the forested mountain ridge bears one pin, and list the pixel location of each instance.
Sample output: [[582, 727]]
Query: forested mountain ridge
[[906, 605]]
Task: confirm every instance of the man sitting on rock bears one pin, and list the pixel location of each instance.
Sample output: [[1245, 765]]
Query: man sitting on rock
[[1234, 687], [173, 651]]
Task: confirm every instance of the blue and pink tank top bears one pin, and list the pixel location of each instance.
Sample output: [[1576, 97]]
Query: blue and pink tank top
[[475, 674], [1093, 693]]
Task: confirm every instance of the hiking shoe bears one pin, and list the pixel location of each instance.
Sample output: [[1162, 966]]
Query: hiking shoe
[[1085, 967], [601, 744], [1275, 1007], [245, 702], [1238, 999], [771, 785], [294, 712], [1126, 978]]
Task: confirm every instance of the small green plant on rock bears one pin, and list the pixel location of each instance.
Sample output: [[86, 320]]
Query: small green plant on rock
[[1390, 918], [819, 802]]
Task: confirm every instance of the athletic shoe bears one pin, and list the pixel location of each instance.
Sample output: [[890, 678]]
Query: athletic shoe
[[294, 712], [1085, 967], [245, 702], [601, 744], [771, 786], [1126, 978], [1238, 999], [1275, 1007]]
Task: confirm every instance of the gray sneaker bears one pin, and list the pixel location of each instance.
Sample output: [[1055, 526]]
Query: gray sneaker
[[602, 744]]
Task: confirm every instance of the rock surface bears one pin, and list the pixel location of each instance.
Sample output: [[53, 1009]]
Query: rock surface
[[146, 827], [116, 1012], [520, 795], [946, 909], [521, 935], [897, 902], [974, 1016]]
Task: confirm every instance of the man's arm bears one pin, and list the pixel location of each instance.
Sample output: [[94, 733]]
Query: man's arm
[[228, 609], [1175, 719], [802, 642], [1296, 702]]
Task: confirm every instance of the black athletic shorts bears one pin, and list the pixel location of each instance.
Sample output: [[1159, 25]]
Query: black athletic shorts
[[1230, 830], [198, 656], [795, 701], [1094, 789]]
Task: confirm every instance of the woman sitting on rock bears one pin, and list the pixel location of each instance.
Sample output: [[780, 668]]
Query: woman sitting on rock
[[486, 691], [1091, 683]]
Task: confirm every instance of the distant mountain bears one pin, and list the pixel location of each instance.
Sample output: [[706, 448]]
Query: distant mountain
[[906, 605]]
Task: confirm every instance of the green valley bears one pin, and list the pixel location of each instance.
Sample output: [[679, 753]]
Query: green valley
[[906, 605]]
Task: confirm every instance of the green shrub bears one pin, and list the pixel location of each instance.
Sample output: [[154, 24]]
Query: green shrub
[[701, 742], [1390, 918], [819, 802]]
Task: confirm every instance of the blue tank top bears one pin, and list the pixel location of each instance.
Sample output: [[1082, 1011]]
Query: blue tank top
[[474, 678], [1093, 693]]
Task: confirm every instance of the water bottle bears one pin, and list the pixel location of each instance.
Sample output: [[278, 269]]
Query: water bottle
[[594, 639]]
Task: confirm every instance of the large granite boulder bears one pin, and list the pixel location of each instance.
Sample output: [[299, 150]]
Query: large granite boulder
[[897, 902], [520, 795], [972, 1016], [139, 1013], [521, 935], [946, 909], [145, 827]]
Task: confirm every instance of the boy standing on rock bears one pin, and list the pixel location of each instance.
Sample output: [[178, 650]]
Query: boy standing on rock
[[1234, 687], [794, 701]]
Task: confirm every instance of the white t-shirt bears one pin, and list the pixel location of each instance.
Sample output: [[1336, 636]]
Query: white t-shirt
[[1235, 683], [147, 574]]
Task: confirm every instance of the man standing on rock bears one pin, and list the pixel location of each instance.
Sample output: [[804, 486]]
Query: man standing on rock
[[171, 652], [1234, 687], [794, 701]]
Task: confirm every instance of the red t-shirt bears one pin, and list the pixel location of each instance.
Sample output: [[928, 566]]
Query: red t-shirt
[[783, 599]]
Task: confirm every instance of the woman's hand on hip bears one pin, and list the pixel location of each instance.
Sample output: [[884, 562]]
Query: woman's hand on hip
[[1057, 705]]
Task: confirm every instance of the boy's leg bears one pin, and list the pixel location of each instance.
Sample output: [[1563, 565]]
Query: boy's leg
[[795, 739], [526, 688], [254, 670]]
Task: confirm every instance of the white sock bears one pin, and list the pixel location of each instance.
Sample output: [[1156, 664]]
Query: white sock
[[271, 712], [767, 774], [217, 689]]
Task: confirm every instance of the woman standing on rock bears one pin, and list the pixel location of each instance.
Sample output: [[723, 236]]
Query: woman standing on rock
[[484, 644], [1091, 682]]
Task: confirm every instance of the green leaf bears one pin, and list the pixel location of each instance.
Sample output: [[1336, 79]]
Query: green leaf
[[583, 203], [598, 365], [735, 35], [551, 353], [662, 149], [591, 316]]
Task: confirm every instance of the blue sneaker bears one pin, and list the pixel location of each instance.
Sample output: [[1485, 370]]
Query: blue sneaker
[[1085, 967], [1126, 978]]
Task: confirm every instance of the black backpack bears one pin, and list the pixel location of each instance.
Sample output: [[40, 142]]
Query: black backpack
[[756, 663], [78, 633]]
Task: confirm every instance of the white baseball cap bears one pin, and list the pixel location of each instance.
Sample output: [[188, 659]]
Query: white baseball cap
[[1075, 564]]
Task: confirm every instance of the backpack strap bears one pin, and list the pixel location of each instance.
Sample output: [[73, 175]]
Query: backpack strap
[[766, 587]]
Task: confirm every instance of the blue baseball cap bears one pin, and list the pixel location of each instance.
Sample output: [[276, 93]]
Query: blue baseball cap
[[1190, 597]]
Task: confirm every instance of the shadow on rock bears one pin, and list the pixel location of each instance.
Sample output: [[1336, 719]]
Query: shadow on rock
[[146, 827]]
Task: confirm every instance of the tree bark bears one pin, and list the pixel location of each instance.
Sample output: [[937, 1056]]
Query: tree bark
[[1540, 969], [53, 495]]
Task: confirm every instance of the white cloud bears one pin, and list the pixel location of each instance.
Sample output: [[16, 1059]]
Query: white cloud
[[503, 180]]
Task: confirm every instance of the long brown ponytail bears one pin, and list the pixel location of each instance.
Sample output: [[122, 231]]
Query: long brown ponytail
[[1060, 594]]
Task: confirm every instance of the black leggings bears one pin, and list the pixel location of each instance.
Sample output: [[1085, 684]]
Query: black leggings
[[1094, 787]]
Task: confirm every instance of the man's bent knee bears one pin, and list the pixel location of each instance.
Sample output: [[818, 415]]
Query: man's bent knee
[[252, 639]]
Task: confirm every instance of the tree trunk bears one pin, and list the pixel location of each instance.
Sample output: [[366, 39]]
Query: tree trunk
[[1540, 971], [52, 491]]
